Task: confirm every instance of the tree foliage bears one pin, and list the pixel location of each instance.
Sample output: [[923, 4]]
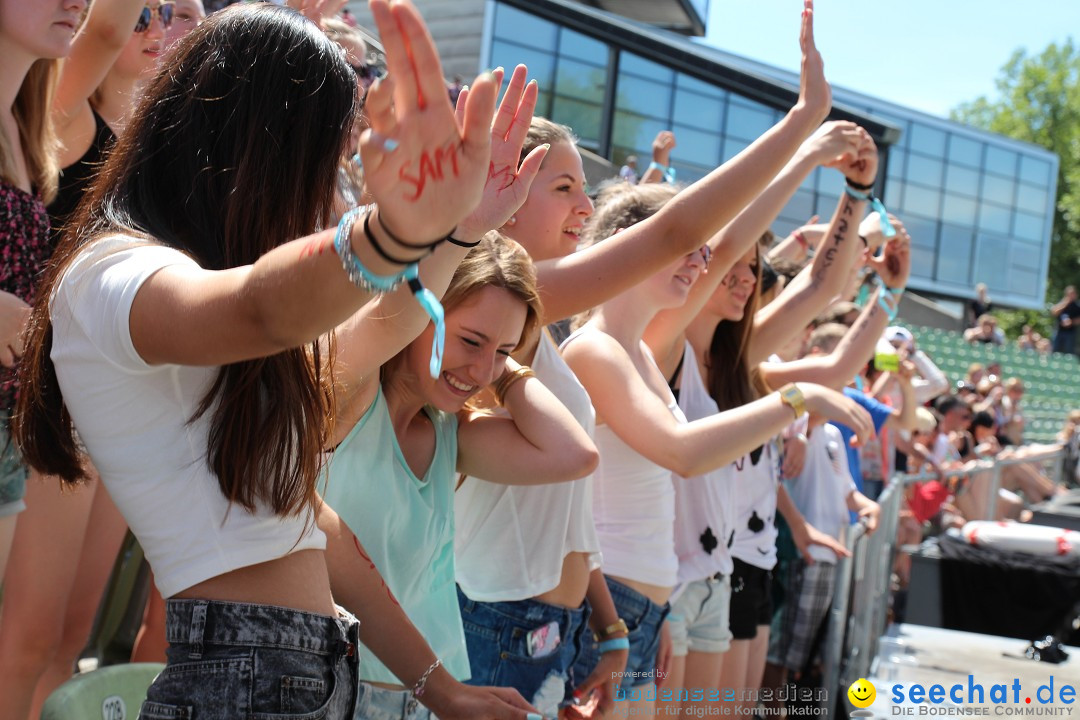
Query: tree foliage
[[1039, 102]]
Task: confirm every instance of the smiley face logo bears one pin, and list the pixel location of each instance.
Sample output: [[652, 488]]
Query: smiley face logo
[[862, 693]]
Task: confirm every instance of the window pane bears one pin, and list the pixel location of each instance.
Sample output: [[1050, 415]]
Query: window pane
[[990, 267], [801, 205], [636, 132], [995, 218], [732, 147], [585, 48], [699, 110], [922, 200], [926, 139], [924, 170], [998, 189], [959, 209], [637, 65], [1034, 170], [954, 254], [894, 191], [826, 206], [897, 162], [1029, 227], [643, 96], [541, 64], [961, 180], [581, 81], [696, 147], [1031, 198], [583, 117], [1000, 161], [523, 28], [965, 151], [692, 84], [748, 123]]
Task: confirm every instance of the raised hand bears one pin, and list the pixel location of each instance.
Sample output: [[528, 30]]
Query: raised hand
[[814, 92], [893, 266], [834, 144], [862, 169], [425, 170], [834, 406], [508, 182], [662, 146]]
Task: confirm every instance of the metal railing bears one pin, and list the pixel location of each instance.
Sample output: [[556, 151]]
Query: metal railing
[[860, 609]]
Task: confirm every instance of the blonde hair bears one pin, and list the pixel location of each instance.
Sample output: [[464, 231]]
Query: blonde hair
[[37, 137], [546, 132], [620, 205], [498, 262], [827, 336]]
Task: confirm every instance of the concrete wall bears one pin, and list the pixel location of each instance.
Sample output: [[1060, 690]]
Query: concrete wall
[[456, 25]]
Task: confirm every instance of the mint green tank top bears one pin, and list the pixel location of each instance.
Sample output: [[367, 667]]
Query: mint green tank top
[[406, 525]]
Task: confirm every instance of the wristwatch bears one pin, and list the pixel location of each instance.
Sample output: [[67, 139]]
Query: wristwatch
[[792, 396]]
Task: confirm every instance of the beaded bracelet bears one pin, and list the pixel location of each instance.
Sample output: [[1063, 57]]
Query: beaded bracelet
[[361, 277], [877, 206]]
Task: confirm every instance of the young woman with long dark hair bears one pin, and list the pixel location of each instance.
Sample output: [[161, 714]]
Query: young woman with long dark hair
[[177, 334]]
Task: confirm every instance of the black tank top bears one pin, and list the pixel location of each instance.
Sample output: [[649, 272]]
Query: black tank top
[[75, 179]]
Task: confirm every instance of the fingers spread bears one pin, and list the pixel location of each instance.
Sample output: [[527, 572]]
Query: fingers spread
[[479, 108], [422, 57]]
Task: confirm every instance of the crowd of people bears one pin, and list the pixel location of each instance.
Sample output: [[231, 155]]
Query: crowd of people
[[407, 421]]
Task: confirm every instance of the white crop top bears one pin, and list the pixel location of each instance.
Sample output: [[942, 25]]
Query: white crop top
[[511, 539], [134, 420], [755, 507], [634, 508], [705, 504]]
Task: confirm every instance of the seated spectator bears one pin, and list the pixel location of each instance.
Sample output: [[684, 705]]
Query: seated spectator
[[1012, 420], [985, 332], [975, 373], [1028, 339]]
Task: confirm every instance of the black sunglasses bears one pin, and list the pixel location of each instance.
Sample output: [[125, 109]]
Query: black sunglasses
[[165, 10], [367, 74]]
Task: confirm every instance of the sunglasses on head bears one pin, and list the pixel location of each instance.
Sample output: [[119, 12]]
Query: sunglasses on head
[[165, 11], [367, 74], [706, 254]]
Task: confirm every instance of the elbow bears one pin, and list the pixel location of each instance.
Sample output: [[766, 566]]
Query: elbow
[[576, 460], [682, 466]]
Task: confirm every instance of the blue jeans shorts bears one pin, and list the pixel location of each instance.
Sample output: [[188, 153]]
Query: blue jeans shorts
[[258, 662], [699, 617], [643, 619], [376, 703], [496, 634], [13, 473]]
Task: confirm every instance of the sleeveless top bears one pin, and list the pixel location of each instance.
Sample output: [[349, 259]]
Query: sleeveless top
[[406, 526], [75, 179], [634, 508], [705, 504], [24, 250], [511, 539]]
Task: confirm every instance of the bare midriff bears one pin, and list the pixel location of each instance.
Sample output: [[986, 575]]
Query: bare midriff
[[657, 593], [574, 583], [298, 581]]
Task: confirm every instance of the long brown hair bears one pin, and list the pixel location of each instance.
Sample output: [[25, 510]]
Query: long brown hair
[[37, 138], [732, 380], [231, 153]]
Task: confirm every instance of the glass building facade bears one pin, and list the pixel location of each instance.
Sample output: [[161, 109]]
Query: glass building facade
[[978, 206]]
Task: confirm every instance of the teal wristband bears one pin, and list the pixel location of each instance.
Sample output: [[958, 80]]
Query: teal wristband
[[877, 206], [669, 172], [614, 644]]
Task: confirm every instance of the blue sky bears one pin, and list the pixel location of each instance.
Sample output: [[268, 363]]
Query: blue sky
[[926, 54]]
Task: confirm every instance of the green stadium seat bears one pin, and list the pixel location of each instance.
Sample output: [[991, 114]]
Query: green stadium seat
[[115, 692]]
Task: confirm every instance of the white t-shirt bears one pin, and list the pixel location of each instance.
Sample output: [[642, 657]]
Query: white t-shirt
[[134, 420], [705, 504], [511, 539], [820, 491]]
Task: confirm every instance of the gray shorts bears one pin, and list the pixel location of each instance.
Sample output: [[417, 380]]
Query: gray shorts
[[699, 617], [13, 474], [376, 703], [237, 660]]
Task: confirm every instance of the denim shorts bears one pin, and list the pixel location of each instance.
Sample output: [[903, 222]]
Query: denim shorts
[[643, 619], [258, 662], [13, 473], [376, 703], [496, 634], [699, 617]]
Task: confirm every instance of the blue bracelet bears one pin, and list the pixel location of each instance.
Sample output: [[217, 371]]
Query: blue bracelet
[[607, 646], [877, 206], [668, 172], [885, 304], [364, 279]]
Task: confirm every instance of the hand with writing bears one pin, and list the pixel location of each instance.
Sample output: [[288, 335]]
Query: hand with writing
[[815, 96], [508, 182], [862, 168], [425, 170], [894, 264]]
